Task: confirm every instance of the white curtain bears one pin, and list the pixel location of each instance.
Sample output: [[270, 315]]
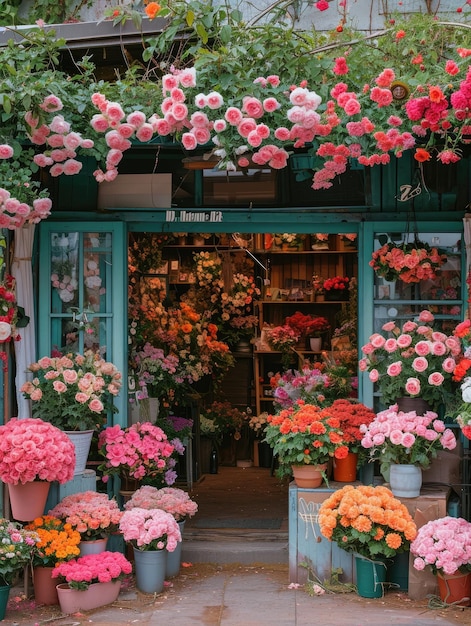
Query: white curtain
[[25, 350]]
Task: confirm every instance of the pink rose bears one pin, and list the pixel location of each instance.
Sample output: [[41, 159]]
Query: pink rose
[[233, 116], [436, 379], [377, 340], [389, 326], [374, 376], [438, 348], [422, 348], [420, 364], [412, 386], [96, 406], [449, 365], [59, 386], [390, 345], [70, 376], [426, 316], [394, 369], [404, 341], [408, 440]]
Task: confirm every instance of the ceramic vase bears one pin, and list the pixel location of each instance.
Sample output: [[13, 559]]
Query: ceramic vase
[[97, 594], [44, 584], [28, 501], [82, 440], [315, 344], [174, 558], [370, 576], [150, 567], [455, 588], [345, 470], [407, 404], [308, 476], [405, 480], [93, 547], [4, 595]]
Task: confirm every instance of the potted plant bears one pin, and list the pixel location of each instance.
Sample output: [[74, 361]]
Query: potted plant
[[33, 454], [178, 503], [94, 515], [444, 545], [371, 523], [140, 452], [91, 581], [409, 262], [58, 541], [397, 438], [336, 288], [308, 326], [75, 393], [16, 549], [320, 241], [305, 437], [152, 533], [351, 415], [414, 360]]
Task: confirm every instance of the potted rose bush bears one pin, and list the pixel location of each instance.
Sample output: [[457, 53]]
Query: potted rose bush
[[414, 360], [33, 454]]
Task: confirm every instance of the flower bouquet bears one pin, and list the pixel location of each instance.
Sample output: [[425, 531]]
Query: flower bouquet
[[406, 438], [141, 451], [91, 514], [282, 339], [31, 450], [87, 570], [74, 391], [174, 501], [16, 549], [444, 545], [409, 262], [413, 360], [258, 424], [304, 434], [308, 384], [58, 541], [368, 521], [150, 529], [237, 319]]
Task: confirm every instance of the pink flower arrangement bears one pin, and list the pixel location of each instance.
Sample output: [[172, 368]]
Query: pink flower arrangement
[[150, 529], [444, 545], [141, 450], [308, 384], [174, 501], [399, 437], [91, 514], [73, 391], [93, 568], [414, 360], [31, 449], [409, 262]]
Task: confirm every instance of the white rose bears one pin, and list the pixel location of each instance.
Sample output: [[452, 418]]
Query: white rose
[[5, 331]]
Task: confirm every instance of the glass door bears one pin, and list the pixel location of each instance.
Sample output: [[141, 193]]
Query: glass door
[[82, 286]]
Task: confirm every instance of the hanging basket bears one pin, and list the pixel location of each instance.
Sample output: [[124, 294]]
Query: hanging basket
[[409, 262]]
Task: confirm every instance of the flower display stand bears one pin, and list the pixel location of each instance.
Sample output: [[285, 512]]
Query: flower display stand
[[308, 546]]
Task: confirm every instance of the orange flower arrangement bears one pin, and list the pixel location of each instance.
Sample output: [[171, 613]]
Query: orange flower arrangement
[[366, 520], [304, 434], [58, 541], [351, 414]]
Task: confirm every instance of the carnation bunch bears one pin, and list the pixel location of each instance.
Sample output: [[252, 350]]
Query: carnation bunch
[[171, 500], [150, 529], [73, 391], [141, 450], [444, 545], [104, 567], [352, 416], [16, 549], [304, 434], [31, 449], [409, 262], [414, 359], [58, 541], [405, 437], [366, 520], [91, 514]]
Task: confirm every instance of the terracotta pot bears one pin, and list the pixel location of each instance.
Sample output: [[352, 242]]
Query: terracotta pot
[[345, 470], [29, 500], [97, 594], [308, 476], [45, 591], [455, 588]]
